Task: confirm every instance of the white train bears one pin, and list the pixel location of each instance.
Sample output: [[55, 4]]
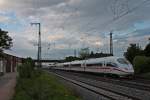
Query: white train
[[107, 65]]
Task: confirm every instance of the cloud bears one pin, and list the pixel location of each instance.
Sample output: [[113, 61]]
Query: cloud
[[4, 19], [30, 3], [141, 32], [72, 24], [56, 37]]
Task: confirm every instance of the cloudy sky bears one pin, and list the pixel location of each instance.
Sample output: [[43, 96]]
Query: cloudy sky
[[68, 25]]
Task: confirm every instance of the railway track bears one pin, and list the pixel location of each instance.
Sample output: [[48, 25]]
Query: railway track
[[141, 80], [135, 83], [102, 92], [111, 91]]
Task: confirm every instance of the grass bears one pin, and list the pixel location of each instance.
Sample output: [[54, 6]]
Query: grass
[[44, 87]]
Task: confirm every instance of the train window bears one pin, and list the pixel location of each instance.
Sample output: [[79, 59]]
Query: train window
[[111, 64], [100, 64], [66, 65], [97, 64], [122, 61], [89, 65], [76, 65]]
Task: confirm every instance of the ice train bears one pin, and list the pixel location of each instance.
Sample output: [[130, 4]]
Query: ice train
[[107, 65]]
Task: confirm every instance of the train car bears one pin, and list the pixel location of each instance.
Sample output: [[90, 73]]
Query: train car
[[107, 65]]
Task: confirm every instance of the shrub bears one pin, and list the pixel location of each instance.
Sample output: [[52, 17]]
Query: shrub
[[141, 64], [133, 51], [147, 50], [26, 69]]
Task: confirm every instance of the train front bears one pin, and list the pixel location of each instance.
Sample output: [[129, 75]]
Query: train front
[[125, 66]]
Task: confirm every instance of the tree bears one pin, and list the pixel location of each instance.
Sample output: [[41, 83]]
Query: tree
[[132, 52], [147, 50], [71, 58], [92, 54], [98, 55], [141, 64], [84, 53], [5, 41]]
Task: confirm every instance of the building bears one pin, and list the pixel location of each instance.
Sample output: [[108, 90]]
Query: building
[[9, 63]]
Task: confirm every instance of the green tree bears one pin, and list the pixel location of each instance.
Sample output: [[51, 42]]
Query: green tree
[[5, 41], [132, 52], [141, 64], [26, 69], [147, 50], [71, 58], [84, 53]]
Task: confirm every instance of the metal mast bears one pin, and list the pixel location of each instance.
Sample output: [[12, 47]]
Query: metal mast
[[39, 44], [111, 44]]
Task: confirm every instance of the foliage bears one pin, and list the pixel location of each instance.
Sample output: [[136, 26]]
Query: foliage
[[26, 69], [71, 58], [84, 53], [147, 50], [44, 87], [141, 64], [132, 52], [98, 55], [145, 75], [89, 55], [5, 40], [33, 84]]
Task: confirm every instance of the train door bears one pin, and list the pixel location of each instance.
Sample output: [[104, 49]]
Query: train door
[[83, 65], [104, 67]]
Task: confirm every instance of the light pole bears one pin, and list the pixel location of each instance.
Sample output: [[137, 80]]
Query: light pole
[[39, 44]]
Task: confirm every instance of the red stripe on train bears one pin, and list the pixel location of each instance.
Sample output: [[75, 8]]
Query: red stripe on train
[[110, 68]]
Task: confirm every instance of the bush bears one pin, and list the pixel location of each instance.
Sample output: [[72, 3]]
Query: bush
[[141, 64], [133, 51], [147, 50], [26, 69]]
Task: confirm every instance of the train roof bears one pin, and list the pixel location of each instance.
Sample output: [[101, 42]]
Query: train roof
[[91, 60], [95, 60]]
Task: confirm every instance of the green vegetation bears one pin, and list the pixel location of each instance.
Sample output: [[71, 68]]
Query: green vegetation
[[71, 58], [145, 75], [26, 70], [85, 53], [147, 50], [5, 40], [141, 64], [139, 58], [132, 52], [37, 85]]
